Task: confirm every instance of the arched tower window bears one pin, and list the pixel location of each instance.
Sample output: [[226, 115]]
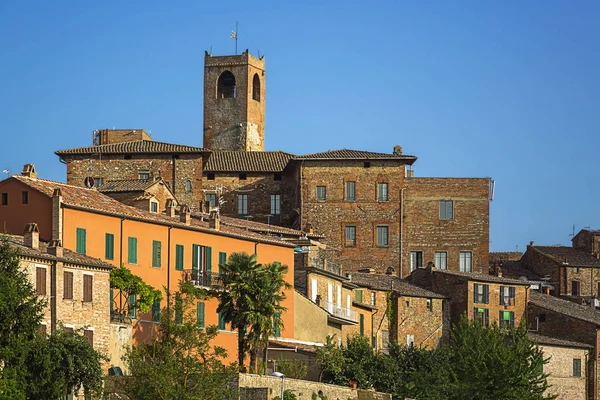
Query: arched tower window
[[256, 88], [226, 86]]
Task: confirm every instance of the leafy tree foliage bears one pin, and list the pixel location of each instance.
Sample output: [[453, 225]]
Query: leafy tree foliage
[[180, 362], [122, 279], [295, 369]]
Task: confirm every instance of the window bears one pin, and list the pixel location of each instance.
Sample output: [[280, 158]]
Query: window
[[481, 293], [575, 288], [441, 259], [321, 192], [575, 270], [507, 319], [276, 326], [156, 253], [202, 265], [416, 260], [382, 192], [373, 298], [144, 175], [210, 177], [212, 199], [80, 241], [542, 317], [242, 204], [89, 334], [367, 164], [466, 261], [4, 199], [109, 246], [350, 235], [410, 340], [382, 236], [362, 325], [25, 197], [446, 209], [277, 176], [359, 296], [98, 181], [508, 296], [188, 186], [67, 285], [350, 191], [131, 308], [226, 86], [179, 251], [430, 305], [256, 88], [156, 311], [153, 207], [275, 204], [482, 315], [577, 367], [200, 314], [88, 288], [243, 176], [40, 281], [222, 261], [132, 250], [221, 322], [43, 329]]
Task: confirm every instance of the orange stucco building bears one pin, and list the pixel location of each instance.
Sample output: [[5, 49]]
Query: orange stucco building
[[161, 248]]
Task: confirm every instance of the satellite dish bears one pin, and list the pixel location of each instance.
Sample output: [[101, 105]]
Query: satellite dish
[[89, 182]]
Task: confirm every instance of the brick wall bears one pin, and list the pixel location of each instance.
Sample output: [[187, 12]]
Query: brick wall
[[544, 266], [412, 317], [588, 241], [560, 369], [468, 230]]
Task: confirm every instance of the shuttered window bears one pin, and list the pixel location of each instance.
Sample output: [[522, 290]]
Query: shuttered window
[[179, 251], [109, 247], [276, 328], [482, 315], [208, 250], [89, 334], [200, 314], [362, 325], [40, 281], [80, 241], [223, 261], [507, 319], [156, 311], [68, 285], [156, 253], [221, 322], [88, 285], [131, 306], [481, 293], [132, 250]]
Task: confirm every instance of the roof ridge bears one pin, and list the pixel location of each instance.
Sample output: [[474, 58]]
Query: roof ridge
[[51, 181]]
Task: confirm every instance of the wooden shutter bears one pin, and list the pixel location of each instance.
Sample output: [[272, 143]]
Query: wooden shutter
[[156, 311], [475, 291], [68, 285], [195, 251], [512, 318], [276, 328], [502, 295], [208, 265], [90, 336], [223, 261], [362, 325], [132, 250], [40, 281], [221, 322], [486, 294], [178, 310], [156, 256], [513, 295], [109, 246], [81, 237], [486, 316], [132, 308], [200, 314], [88, 285], [179, 252]]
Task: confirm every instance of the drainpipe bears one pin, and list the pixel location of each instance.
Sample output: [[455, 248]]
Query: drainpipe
[[121, 243], [373, 333], [401, 228], [53, 314], [169, 265], [255, 248]]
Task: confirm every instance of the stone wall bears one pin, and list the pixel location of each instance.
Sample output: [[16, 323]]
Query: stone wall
[[560, 370], [120, 340], [413, 317], [588, 241]]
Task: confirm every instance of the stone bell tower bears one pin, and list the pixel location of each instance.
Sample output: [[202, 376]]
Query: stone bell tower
[[234, 102]]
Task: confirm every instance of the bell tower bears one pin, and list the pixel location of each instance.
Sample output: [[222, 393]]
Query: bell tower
[[234, 102]]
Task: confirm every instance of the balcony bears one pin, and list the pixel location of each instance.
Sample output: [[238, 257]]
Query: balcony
[[202, 278], [341, 314]]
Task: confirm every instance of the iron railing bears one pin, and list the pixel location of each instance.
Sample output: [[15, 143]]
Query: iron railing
[[202, 278], [339, 311]]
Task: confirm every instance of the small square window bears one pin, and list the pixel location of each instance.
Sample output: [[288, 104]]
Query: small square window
[[277, 176], [212, 199], [4, 199], [210, 177], [430, 305], [243, 176], [153, 207], [144, 176], [321, 192], [25, 197]]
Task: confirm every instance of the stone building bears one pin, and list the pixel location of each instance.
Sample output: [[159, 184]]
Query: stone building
[[368, 205], [147, 195]]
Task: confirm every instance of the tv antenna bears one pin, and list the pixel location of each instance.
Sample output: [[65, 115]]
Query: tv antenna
[[572, 234], [234, 35]]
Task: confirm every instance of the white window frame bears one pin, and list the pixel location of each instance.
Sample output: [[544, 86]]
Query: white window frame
[[465, 256], [275, 204], [441, 260]]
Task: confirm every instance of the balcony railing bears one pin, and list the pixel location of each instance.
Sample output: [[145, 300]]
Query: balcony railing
[[202, 278], [325, 266], [339, 311]]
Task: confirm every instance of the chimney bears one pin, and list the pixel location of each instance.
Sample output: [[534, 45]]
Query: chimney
[[29, 171], [367, 270], [431, 267], [31, 237], [170, 208], [397, 150], [184, 214], [309, 228], [57, 214], [546, 290], [496, 271], [390, 271], [55, 248], [531, 243], [214, 222]]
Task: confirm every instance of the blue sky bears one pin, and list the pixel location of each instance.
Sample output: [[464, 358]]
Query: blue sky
[[508, 89]]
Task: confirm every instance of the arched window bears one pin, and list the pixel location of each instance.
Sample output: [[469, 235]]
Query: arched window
[[188, 186], [256, 88], [226, 86]]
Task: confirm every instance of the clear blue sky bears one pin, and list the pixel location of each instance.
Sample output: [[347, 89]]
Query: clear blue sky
[[502, 89]]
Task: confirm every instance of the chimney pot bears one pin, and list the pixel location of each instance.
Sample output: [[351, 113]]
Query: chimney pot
[[184, 214], [31, 237], [397, 150], [531, 243], [55, 248], [214, 221], [170, 208], [29, 171]]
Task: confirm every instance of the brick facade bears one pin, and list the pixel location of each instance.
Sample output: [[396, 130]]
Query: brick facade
[[560, 370]]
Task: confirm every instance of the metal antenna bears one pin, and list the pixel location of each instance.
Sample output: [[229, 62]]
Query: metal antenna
[[572, 234], [234, 35]]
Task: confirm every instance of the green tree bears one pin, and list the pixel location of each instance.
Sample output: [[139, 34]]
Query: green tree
[[180, 362], [330, 359], [129, 284]]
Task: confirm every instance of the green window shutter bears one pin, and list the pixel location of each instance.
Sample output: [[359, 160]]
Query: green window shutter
[[362, 325], [221, 322], [475, 291], [275, 325], [81, 245], [195, 252], [109, 248], [486, 294], [156, 256], [179, 251], [200, 314], [132, 250], [178, 310], [208, 265], [132, 308], [222, 261], [156, 311]]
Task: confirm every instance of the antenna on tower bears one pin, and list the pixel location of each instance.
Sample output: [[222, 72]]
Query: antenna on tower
[[572, 234], [234, 35]]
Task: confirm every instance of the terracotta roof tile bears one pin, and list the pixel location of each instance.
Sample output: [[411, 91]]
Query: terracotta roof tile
[[584, 313], [569, 256], [135, 146], [552, 341], [476, 276], [391, 283], [71, 257], [516, 269], [247, 161], [126, 185], [346, 154]]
